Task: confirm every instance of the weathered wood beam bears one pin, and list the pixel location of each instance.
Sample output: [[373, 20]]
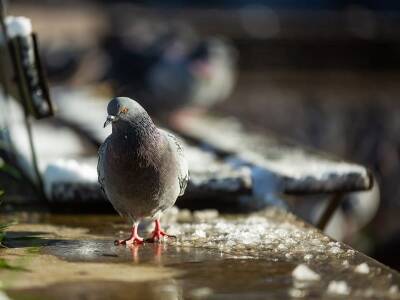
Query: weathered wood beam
[[297, 170]]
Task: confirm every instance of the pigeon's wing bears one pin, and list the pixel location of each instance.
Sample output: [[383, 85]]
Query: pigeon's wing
[[100, 165], [183, 170]]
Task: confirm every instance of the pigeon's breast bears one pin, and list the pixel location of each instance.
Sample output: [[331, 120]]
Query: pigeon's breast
[[136, 181]]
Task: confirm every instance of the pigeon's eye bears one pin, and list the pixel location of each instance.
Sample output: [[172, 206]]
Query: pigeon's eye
[[123, 110]]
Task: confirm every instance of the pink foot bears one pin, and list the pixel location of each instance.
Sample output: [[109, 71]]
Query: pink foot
[[158, 233], [134, 239]]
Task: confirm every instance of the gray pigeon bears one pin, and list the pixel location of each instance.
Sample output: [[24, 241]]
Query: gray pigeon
[[142, 169], [204, 77]]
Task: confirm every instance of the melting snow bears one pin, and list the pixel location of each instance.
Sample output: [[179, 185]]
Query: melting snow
[[338, 288], [68, 170], [335, 250], [302, 272], [308, 257], [260, 234], [200, 233], [362, 268], [18, 26]]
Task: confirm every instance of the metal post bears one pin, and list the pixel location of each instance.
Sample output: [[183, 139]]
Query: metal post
[[23, 92], [329, 210], [4, 83], [16, 64]]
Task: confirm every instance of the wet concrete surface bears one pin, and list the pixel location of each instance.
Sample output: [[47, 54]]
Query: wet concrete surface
[[214, 257]]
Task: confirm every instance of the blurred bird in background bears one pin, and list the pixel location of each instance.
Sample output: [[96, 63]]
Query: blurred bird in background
[[169, 67]]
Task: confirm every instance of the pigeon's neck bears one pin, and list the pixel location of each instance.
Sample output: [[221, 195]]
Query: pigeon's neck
[[136, 135]]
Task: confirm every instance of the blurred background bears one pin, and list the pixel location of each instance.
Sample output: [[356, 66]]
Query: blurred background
[[322, 73]]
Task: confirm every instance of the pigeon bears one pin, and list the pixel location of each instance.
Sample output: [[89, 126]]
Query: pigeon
[[142, 169], [201, 79], [168, 67]]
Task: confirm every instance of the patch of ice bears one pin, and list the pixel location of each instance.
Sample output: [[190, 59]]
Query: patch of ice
[[338, 288], [362, 268], [302, 272]]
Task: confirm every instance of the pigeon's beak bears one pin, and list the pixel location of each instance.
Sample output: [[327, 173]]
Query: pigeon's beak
[[109, 120]]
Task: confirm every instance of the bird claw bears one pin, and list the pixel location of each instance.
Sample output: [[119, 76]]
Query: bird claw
[[158, 235], [130, 241]]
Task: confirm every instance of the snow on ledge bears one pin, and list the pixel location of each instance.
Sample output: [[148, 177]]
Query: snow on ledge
[[304, 273], [68, 170], [18, 26]]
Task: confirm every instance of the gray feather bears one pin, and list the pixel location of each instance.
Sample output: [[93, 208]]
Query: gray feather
[[100, 166], [183, 173]]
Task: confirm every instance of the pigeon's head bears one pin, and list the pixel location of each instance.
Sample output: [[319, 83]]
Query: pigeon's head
[[123, 110]]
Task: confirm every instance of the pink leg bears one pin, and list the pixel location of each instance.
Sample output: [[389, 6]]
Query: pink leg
[[158, 233], [133, 239]]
